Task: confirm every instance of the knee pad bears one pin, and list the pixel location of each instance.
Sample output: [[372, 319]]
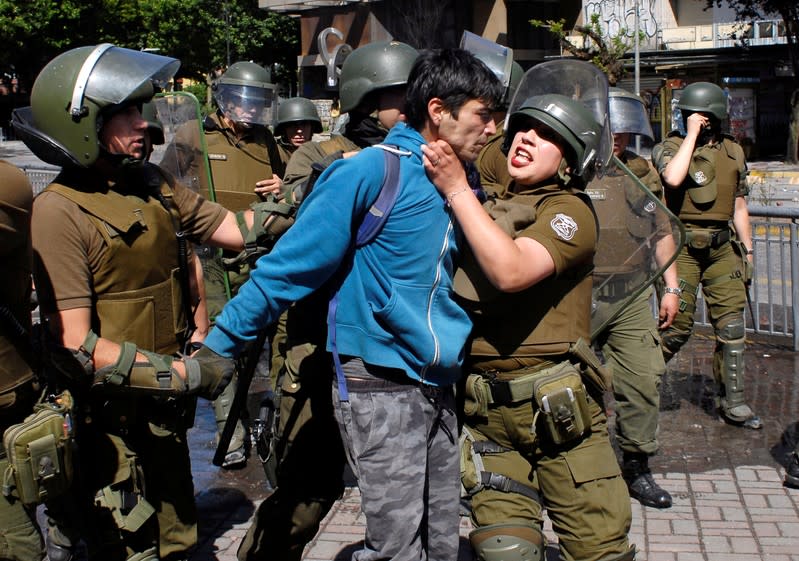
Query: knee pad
[[508, 542], [731, 328]]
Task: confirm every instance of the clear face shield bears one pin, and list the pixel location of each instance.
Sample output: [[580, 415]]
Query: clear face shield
[[579, 81], [251, 105]]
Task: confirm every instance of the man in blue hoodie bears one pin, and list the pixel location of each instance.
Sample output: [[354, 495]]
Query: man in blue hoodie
[[397, 329]]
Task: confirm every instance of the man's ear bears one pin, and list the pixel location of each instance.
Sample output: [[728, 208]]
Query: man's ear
[[435, 110]]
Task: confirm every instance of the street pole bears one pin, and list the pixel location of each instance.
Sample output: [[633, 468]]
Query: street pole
[[637, 68]]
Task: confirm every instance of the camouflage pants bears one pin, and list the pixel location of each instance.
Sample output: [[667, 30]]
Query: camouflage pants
[[402, 444], [579, 482], [631, 346]]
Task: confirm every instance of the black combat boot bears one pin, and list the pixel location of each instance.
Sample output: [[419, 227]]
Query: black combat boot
[[792, 471], [642, 487]]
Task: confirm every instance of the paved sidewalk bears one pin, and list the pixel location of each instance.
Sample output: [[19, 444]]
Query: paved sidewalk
[[729, 502]]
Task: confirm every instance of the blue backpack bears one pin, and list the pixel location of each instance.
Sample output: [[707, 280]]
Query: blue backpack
[[370, 227]]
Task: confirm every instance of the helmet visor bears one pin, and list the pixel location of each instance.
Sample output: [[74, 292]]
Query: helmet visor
[[579, 81], [253, 105], [498, 58], [628, 114], [124, 74]]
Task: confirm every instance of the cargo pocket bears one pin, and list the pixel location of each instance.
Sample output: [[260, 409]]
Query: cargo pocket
[[594, 461]]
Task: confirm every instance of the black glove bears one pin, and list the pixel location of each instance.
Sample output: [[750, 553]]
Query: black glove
[[208, 373]]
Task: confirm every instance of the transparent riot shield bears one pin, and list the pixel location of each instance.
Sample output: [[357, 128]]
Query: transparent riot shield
[[639, 238], [184, 155], [183, 152]]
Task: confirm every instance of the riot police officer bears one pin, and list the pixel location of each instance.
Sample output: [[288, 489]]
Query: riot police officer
[[20, 537], [630, 341], [245, 165], [108, 238], [535, 433], [704, 171], [297, 121]]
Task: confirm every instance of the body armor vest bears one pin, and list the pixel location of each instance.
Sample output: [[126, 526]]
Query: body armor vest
[[237, 165], [626, 216], [136, 285], [540, 321], [15, 291], [729, 167]]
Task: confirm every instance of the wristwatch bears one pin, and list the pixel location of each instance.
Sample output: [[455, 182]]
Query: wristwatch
[[670, 290]]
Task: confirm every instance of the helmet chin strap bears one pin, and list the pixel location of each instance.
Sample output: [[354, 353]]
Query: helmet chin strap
[[563, 174], [119, 161]]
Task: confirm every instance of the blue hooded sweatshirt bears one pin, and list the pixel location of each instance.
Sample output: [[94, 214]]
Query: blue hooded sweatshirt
[[396, 303]]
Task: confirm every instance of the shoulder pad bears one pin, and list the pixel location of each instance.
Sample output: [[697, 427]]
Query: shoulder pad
[[675, 133], [637, 164]]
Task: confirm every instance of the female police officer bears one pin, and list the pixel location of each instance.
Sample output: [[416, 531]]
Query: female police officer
[[536, 436]]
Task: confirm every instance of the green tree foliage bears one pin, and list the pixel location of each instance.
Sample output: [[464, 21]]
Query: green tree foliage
[[605, 53], [201, 33]]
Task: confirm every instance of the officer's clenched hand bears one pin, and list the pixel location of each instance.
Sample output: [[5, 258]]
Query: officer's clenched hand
[[208, 373]]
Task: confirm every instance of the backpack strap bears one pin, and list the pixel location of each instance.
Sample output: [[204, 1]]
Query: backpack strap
[[371, 225]]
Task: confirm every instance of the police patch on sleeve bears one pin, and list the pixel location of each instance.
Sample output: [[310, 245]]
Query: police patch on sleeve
[[565, 226]]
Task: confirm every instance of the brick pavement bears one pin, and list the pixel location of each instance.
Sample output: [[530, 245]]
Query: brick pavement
[[729, 502]]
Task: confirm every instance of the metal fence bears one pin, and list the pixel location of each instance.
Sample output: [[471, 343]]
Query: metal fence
[[774, 289], [775, 286]]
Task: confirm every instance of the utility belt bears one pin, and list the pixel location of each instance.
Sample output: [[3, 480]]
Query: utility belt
[[618, 286], [704, 238], [121, 415], [556, 390]]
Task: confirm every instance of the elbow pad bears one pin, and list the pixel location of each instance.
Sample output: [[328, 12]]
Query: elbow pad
[[154, 376]]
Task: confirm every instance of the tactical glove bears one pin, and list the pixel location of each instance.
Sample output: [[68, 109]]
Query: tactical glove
[[208, 373]]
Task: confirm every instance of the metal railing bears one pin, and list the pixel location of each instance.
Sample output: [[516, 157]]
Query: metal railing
[[775, 286], [774, 289]]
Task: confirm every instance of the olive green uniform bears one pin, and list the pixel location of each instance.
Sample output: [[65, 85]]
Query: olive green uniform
[[516, 338], [307, 436], [709, 257], [631, 342], [236, 166], [110, 246], [20, 537]]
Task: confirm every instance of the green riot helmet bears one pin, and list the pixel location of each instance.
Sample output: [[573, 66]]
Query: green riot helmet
[[628, 114], [154, 126], [571, 97], [703, 97], [570, 119], [499, 59], [245, 95], [76, 90], [374, 67], [295, 110]]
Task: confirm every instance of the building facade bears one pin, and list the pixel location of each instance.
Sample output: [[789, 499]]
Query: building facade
[[680, 42]]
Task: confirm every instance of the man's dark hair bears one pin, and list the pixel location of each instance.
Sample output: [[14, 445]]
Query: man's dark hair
[[453, 75]]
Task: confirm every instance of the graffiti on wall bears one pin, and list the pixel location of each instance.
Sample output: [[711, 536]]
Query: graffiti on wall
[[618, 15]]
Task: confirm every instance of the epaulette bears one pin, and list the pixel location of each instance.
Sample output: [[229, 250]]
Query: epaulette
[[675, 132]]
